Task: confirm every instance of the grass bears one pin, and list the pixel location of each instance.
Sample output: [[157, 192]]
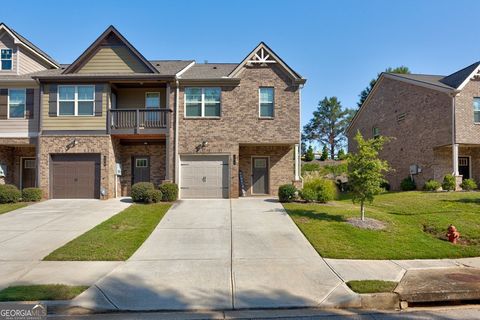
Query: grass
[[416, 226], [371, 286], [117, 238], [6, 207], [41, 292]]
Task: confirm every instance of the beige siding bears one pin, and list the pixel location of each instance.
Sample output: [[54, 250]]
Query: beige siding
[[134, 98], [6, 42], [72, 122], [114, 59], [27, 63], [21, 128]]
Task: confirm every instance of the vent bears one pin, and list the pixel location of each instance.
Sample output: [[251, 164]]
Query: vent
[[401, 117]]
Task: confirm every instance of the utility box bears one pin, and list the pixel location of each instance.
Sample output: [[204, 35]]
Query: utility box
[[118, 169], [415, 169], [3, 170]]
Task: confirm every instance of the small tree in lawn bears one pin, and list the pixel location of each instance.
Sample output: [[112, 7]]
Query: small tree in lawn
[[309, 155], [324, 155], [366, 170]]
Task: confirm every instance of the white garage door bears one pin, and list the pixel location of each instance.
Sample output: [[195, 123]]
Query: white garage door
[[204, 177]]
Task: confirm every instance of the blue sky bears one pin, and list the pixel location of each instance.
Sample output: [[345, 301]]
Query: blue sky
[[337, 45]]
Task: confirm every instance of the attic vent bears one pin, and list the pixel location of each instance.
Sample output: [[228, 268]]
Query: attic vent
[[214, 67], [158, 64], [401, 117]]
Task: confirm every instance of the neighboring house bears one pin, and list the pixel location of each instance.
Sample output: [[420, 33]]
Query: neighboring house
[[112, 118], [434, 122]]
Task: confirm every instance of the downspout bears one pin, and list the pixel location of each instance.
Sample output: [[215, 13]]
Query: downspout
[[454, 140], [177, 168], [299, 149], [37, 151]]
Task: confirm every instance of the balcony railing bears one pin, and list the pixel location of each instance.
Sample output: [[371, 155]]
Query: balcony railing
[[138, 120]]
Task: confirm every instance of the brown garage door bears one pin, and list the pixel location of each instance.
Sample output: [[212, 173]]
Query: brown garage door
[[75, 176]]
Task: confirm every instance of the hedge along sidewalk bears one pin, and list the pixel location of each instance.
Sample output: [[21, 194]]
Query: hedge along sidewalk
[[117, 238]]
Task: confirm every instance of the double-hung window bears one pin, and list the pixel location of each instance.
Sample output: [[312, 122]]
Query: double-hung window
[[267, 102], [476, 110], [16, 103], [6, 59], [76, 100], [375, 132], [202, 102]]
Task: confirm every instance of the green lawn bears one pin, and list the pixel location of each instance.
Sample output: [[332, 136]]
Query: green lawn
[[416, 226], [115, 239], [371, 286], [6, 207], [41, 292]]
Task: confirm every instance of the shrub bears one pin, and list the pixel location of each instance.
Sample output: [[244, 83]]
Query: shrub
[[9, 193], [140, 191], [341, 155], [309, 156], [308, 195], [287, 193], [432, 185], [310, 167], [169, 192], [385, 186], [31, 194], [408, 184], [325, 189], [153, 196], [468, 184], [449, 183]]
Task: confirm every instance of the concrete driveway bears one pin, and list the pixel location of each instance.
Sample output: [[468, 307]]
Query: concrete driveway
[[219, 254]]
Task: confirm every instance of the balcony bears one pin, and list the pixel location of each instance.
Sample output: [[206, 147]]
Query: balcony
[[138, 121]]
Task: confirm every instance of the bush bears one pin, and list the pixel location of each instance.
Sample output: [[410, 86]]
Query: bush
[[309, 156], [308, 195], [287, 193], [408, 184], [140, 191], [153, 196], [325, 189], [9, 193], [468, 185], [310, 167], [432, 185], [31, 194], [449, 183], [385, 186], [169, 192]]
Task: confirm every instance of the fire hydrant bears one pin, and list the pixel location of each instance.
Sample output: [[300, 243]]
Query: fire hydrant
[[452, 234]]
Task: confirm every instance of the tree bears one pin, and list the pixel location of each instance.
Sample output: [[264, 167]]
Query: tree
[[341, 154], [366, 170], [324, 155], [328, 124], [309, 156], [303, 145], [365, 92]]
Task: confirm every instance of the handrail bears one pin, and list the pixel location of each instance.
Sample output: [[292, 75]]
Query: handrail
[[138, 118]]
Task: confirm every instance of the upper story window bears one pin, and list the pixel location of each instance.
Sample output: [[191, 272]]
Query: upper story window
[[6, 59], [76, 100], [152, 100], [16, 103], [376, 132], [267, 102], [202, 102], [476, 110]]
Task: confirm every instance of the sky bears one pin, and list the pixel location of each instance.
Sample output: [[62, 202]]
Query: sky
[[338, 45]]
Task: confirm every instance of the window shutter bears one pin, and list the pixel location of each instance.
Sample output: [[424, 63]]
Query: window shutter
[[98, 100], [29, 113], [52, 100], [3, 103]]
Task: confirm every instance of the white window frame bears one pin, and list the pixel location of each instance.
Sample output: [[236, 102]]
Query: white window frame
[[141, 159], [11, 59], [260, 103], [202, 111], [473, 107], [159, 99], [375, 128], [25, 104], [75, 101]]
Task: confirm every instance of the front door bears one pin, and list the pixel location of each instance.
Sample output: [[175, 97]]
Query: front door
[[29, 166], [464, 167], [260, 175], [140, 169]]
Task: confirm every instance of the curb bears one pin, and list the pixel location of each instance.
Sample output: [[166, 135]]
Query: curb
[[380, 301]]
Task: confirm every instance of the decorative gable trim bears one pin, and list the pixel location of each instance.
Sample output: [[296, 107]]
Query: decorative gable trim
[[20, 41], [80, 61], [473, 76], [263, 55]]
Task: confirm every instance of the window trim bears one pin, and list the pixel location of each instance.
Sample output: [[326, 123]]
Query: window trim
[[159, 100], [473, 109], [24, 105], [202, 110], [75, 101], [373, 132], [11, 60], [141, 159], [260, 103]]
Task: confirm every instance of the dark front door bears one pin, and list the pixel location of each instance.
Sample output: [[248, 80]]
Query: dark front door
[[29, 166], [140, 169], [260, 175], [464, 167]]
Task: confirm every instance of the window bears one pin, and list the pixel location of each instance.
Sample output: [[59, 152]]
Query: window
[[152, 100], [202, 102], [16, 103], [266, 102], [76, 100], [6, 58], [30, 164], [376, 132], [141, 163], [476, 110]]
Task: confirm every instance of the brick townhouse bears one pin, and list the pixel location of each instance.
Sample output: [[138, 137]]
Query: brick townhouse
[[111, 118]]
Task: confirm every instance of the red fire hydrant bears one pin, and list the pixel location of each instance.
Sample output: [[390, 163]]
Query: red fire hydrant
[[452, 234]]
